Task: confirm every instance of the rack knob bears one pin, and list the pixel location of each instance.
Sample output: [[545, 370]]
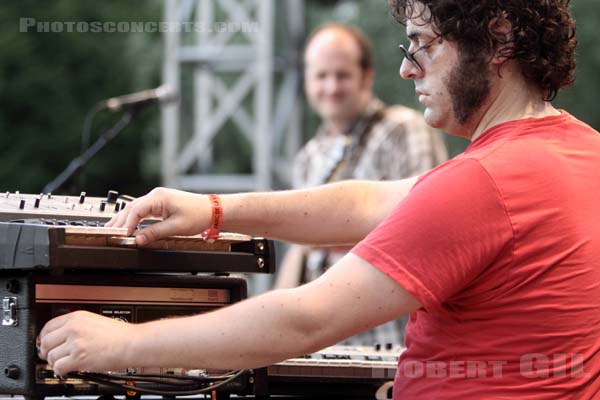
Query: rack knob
[[112, 196]]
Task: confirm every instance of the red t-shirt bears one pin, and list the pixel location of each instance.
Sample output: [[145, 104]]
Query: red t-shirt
[[501, 246]]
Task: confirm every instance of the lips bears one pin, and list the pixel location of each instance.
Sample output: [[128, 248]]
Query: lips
[[333, 100], [422, 95]]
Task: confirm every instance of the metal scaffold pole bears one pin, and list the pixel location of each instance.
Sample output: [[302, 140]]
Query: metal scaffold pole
[[236, 65]]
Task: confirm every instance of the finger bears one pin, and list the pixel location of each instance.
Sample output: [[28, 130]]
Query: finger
[[154, 204], [51, 341], [119, 220], [156, 231], [54, 324], [57, 353], [64, 365], [138, 213], [114, 220], [53, 333]]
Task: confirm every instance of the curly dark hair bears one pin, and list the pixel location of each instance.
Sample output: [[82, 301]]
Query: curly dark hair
[[543, 33]]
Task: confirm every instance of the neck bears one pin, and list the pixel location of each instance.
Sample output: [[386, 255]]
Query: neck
[[340, 126], [511, 99], [512, 110]]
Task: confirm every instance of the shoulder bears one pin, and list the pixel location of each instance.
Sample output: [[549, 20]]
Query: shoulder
[[457, 174], [401, 121], [401, 115]]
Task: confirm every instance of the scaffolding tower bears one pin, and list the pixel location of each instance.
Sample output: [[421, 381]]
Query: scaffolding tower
[[236, 65]]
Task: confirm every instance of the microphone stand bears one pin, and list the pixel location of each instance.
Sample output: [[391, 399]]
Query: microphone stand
[[80, 161]]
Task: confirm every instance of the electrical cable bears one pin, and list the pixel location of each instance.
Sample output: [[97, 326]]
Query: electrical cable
[[167, 389], [158, 378]]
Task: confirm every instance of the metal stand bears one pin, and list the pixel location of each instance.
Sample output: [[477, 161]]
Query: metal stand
[[79, 162], [242, 67]]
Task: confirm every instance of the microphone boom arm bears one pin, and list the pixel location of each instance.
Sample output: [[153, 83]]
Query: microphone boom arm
[[79, 162]]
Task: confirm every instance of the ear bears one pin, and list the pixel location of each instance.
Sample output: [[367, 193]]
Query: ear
[[501, 29]]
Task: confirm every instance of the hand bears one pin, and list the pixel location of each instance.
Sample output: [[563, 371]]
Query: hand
[[83, 341], [183, 213]]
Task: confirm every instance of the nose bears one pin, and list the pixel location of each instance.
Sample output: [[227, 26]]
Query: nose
[[332, 84], [408, 70]]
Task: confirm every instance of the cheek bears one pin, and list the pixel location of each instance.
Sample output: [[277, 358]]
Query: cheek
[[439, 103], [313, 89], [441, 94]]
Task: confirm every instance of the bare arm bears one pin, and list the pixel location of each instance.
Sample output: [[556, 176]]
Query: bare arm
[[350, 297], [335, 214]]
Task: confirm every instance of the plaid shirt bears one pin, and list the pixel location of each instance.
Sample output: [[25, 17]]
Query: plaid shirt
[[385, 143]]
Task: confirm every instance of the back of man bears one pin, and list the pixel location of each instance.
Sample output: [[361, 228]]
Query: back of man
[[521, 305]]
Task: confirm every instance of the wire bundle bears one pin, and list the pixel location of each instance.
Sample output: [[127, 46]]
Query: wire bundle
[[160, 384]]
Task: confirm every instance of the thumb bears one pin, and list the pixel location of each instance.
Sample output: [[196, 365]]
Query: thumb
[[156, 231]]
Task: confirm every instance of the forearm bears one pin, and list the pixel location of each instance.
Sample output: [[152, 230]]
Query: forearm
[[350, 297], [253, 333], [339, 213], [258, 332]]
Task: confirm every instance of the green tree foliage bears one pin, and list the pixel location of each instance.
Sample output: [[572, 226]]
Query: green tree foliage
[[581, 99], [49, 81]]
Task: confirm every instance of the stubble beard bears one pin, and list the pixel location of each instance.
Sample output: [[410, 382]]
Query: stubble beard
[[468, 86]]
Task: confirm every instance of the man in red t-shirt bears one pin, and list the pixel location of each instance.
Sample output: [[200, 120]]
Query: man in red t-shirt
[[504, 259], [495, 254]]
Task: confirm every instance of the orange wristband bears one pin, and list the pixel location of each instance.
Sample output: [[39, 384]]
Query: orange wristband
[[216, 219]]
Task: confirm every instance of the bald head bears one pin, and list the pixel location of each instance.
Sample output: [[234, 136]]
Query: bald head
[[348, 36]]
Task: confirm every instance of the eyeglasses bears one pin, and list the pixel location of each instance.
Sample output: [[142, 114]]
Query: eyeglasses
[[410, 56]]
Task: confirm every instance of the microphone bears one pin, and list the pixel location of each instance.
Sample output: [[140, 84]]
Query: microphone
[[163, 94]]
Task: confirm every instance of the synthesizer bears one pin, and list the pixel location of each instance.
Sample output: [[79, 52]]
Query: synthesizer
[[56, 256], [29, 300], [53, 232], [16, 205], [349, 372], [33, 245]]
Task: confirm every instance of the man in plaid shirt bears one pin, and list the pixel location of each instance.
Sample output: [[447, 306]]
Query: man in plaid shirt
[[360, 137]]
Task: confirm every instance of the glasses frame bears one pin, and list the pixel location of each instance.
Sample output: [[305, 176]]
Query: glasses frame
[[410, 56]]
